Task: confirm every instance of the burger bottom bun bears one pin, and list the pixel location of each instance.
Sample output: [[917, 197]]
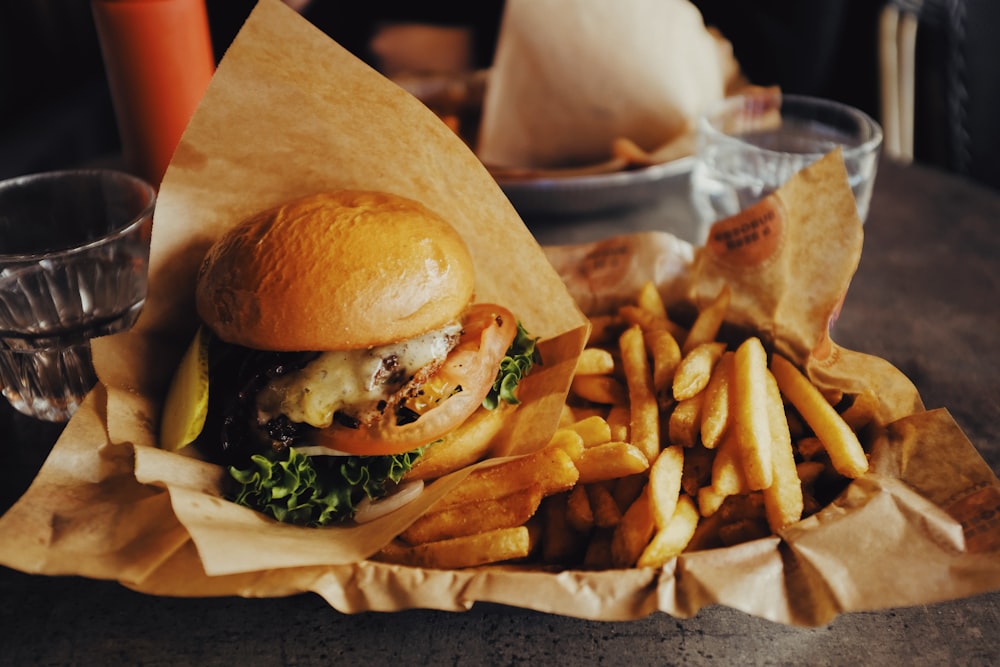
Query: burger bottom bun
[[464, 446]]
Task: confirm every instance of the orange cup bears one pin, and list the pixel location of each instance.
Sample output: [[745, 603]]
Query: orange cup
[[159, 60]]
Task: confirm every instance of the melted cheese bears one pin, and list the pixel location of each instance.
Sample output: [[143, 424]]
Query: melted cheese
[[354, 381]]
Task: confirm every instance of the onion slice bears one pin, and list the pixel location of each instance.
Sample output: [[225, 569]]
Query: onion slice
[[369, 510], [319, 450]]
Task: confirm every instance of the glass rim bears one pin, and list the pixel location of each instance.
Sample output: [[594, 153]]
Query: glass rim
[[101, 174], [707, 121]]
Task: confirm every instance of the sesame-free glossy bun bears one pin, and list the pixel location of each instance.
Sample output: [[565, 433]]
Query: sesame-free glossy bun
[[335, 271]]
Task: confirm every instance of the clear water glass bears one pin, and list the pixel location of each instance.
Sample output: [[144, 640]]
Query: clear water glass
[[74, 251], [749, 145]]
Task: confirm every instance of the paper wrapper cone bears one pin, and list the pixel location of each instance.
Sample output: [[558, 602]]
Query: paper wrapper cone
[[289, 112], [568, 80]]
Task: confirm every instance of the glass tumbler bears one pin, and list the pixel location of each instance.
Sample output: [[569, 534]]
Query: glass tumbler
[[74, 251], [749, 145]]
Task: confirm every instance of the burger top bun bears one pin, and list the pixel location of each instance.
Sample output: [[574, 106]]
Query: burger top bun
[[335, 271]]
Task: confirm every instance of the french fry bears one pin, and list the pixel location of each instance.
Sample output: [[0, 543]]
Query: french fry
[[841, 443], [568, 440], [603, 389], [535, 526], [739, 518], [697, 469], [579, 513], [479, 549], [633, 532], [644, 418], [478, 516], [560, 543], [671, 540], [636, 316], [580, 412], [598, 555], [396, 551], [550, 467], [610, 461], [627, 489], [649, 299], [695, 369], [706, 326], [618, 419], [742, 506], [666, 354], [706, 534], [743, 530], [595, 361], [605, 509], [593, 430], [684, 424], [783, 499], [665, 484], [728, 473], [715, 410], [453, 452], [750, 417], [710, 500], [747, 455], [728, 476]]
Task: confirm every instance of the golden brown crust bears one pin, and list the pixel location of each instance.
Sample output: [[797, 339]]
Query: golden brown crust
[[333, 271]]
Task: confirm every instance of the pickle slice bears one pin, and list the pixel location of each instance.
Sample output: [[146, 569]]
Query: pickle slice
[[186, 406]]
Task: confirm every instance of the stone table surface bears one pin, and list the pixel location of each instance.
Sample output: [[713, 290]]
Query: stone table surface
[[926, 297]]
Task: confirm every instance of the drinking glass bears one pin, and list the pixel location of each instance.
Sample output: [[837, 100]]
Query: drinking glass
[[74, 250], [749, 145]]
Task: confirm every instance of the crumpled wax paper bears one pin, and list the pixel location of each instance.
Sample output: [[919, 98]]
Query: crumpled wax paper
[[592, 87], [290, 112], [918, 527]]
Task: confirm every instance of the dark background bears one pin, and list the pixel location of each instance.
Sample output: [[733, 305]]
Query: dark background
[[55, 109]]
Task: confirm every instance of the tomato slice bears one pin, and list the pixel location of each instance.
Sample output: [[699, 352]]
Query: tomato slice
[[488, 331]]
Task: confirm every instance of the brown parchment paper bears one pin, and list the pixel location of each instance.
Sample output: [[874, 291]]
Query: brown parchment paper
[[569, 79], [920, 527], [107, 504], [288, 113]]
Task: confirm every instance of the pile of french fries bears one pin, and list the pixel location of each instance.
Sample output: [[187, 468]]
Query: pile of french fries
[[672, 439]]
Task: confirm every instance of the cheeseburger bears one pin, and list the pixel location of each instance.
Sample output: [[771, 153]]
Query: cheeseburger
[[346, 359]]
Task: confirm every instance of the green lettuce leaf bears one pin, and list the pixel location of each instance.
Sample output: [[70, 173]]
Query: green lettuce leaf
[[521, 356], [298, 489]]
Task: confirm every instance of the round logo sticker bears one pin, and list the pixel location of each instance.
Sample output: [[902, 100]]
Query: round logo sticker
[[749, 237]]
